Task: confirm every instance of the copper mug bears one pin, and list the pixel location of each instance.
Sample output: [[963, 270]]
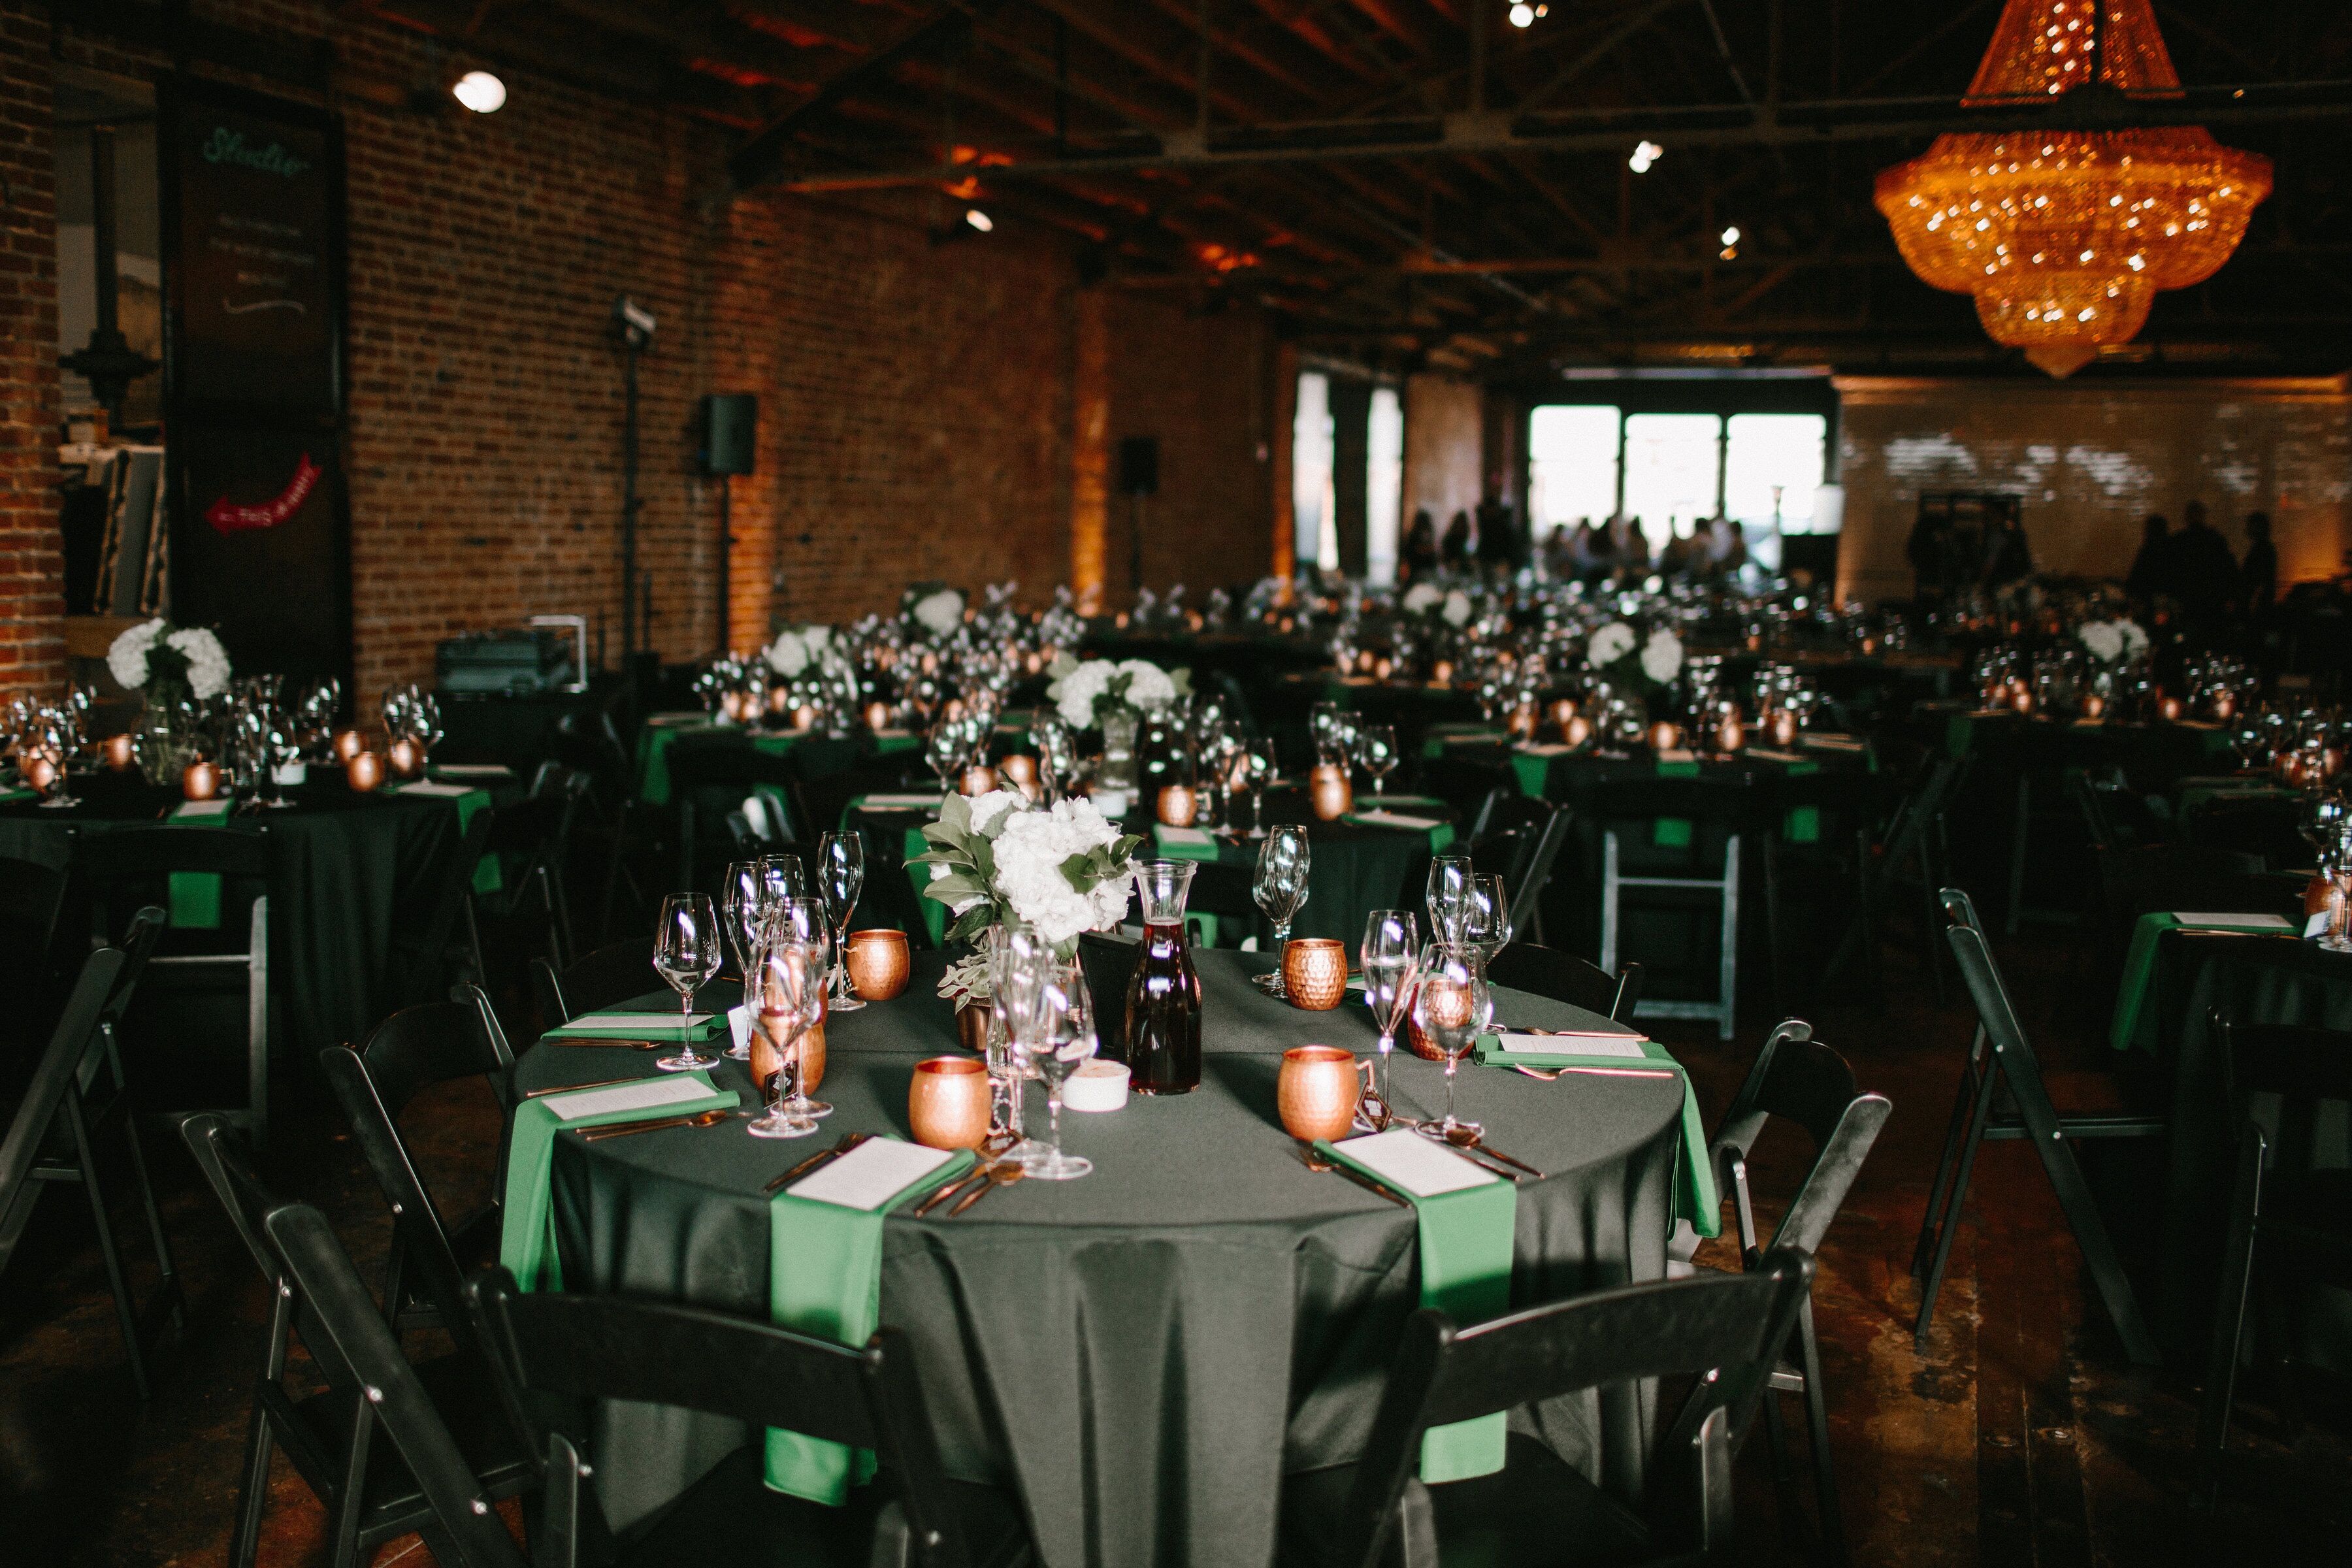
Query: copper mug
[[1665, 736], [1179, 804], [2170, 710], [1452, 1005], [404, 757], [971, 1027], [1522, 723], [804, 717], [976, 781], [349, 744], [1784, 728], [1560, 713], [200, 780], [766, 1060], [364, 769], [947, 1102], [1314, 973], [1730, 735], [119, 751], [40, 771], [877, 963], [1316, 1091], [1577, 730], [1020, 768], [1330, 791], [877, 716], [1442, 673]]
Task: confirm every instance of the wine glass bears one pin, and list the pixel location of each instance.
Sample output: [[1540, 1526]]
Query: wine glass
[[742, 911], [1060, 1036], [1376, 753], [944, 749], [1453, 1006], [1485, 917], [1449, 889], [802, 923], [686, 956], [781, 878], [1280, 889], [1021, 965], [1256, 774], [789, 989], [840, 873], [1391, 953]]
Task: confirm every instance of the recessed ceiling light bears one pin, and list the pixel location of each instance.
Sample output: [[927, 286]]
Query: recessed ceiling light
[[480, 91], [1523, 15]]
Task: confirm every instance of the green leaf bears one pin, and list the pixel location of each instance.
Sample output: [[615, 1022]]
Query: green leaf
[[955, 885], [955, 815], [1123, 849], [1181, 677], [947, 854], [972, 922], [983, 861], [1078, 871]]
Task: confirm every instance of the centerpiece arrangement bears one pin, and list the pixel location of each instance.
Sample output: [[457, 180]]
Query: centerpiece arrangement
[[1632, 673], [171, 667], [1113, 695], [999, 860]]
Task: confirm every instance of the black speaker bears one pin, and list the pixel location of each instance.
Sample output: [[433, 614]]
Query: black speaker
[[731, 428], [1139, 466]]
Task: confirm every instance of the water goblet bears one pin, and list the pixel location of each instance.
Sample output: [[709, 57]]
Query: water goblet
[[1452, 1005], [1448, 889], [1061, 1035], [788, 999], [840, 873], [1376, 753], [1390, 954], [686, 956], [1485, 917], [1280, 889]]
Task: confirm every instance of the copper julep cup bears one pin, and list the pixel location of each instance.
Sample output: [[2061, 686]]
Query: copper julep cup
[[1316, 1091], [1314, 973], [947, 1102], [404, 758], [972, 1028], [877, 963], [1179, 804], [200, 780], [1330, 791], [365, 769], [120, 750]]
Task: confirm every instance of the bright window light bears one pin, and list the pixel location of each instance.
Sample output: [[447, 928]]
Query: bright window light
[[1571, 464], [480, 91], [1772, 465], [1671, 464]]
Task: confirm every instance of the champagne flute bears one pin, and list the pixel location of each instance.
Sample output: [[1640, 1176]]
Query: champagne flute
[[1391, 953], [840, 873], [743, 912], [1280, 889], [1449, 888], [686, 956], [1062, 1036], [802, 923], [788, 988], [1376, 753], [1454, 1007]]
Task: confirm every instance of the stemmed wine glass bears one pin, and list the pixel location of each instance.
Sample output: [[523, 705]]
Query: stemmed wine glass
[[1391, 953], [840, 873], [686, 956], [1021, 965], [943, 750], [781, 878], [1449, 889], [1059, 1035], [790, 999], [1486, 919], [1376, 753], [742, 911], [1453, 1006], [1280, 889], [1256, 774], [803, 923]]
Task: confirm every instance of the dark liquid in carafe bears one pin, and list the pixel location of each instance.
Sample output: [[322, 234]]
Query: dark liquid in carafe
[[1163, 1014]]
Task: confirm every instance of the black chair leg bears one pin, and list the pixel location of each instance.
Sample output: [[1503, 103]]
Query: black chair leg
[[1817, 1417], [1949, 1225], [2229, 1324], [1963, 1098], [126, 1305], [253, 1494], [175, 1299], [1784, 1476]]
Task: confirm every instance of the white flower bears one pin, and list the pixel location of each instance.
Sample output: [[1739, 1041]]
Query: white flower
[[1030, 852], [1610, 644], [1075, 692], [127, 656], [1420, 596], [2105, 640], [1456, 612], [788, 655], [988, 808], [1662, 655], [940, 612], [2135, 639], [1148, 685], [208, 666]]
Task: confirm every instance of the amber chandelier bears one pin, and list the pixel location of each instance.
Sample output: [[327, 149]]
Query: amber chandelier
[[2064, 238]]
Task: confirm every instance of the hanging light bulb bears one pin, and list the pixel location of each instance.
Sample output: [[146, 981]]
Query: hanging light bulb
[[480, 91], [1731, 234], [978, 220], [1645, 154], [1523, 15]]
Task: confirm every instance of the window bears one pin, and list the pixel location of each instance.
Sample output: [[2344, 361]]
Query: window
[[1383, 487], [1313, 531], [1772, 466], [1673, 462], [1571, 464]]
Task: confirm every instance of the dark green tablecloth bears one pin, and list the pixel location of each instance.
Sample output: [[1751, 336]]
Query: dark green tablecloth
[[820, 754], [1141, 1353], [348, 870]]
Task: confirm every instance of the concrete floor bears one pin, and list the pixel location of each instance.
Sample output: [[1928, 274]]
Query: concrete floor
[[2023, 1437]]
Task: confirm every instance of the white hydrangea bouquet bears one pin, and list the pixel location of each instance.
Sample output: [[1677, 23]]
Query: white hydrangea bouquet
[[2112, 643], [997, 860], [167, 655], [1634, 665], [1102, 688], [933, 607]]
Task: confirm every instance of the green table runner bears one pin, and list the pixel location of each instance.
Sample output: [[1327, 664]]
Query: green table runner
[[1467, 1246], [195, 897], [656, 740], [2133, 1027], [1695, 1194], [675, 1028], [526, 1234], [487, 877], [825, 1279], [1674, 832]]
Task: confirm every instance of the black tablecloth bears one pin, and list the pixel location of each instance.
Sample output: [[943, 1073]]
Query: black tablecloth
[[1140, 1354], [347, 872], [2249, 980]]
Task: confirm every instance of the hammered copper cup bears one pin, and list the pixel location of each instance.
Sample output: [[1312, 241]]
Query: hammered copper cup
[[200, 780], [1179, 806], [1330, 791], [120, 750], [1451, 1005], [404, 757], [1316, 1090], [1314, 973], [366, 770], [947, 1102], [972, 1028], [878, 963]]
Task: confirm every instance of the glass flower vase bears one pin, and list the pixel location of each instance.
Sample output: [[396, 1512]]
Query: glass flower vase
[[167, 732]]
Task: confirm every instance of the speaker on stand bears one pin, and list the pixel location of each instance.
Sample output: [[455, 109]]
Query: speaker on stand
[[1139, 476], [730, 427]]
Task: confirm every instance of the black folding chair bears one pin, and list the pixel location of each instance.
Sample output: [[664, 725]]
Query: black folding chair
[[415, 1048], [1798, 1078], [388, 1447], [130, 868], [2301, 1218], [532, 842], [2001, 1057], [562, 1353], [32, 901], [1724, 1329], [605, 978], [1648, 875], [1564, 977], [1911, 836], [1523, 854], [78, 1098], [431, 947]]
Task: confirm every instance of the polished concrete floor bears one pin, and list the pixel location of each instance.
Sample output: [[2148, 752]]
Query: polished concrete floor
[[2022, 1436]]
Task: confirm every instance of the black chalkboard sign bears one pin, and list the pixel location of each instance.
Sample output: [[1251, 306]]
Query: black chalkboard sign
[[261, 545], [253, 196]]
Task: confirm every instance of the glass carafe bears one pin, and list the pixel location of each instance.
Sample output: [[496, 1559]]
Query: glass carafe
[[1162, 1040]]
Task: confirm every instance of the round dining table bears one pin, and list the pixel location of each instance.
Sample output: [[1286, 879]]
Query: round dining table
[[1139, 1355]]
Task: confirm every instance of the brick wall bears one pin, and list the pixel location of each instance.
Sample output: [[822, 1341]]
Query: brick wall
[[1442, 437], [2092, 459], [32, 563]]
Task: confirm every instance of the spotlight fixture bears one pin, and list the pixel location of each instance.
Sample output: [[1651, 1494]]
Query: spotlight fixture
[[1645, 154], [1731, 234], [480, 91], [1523, 15], [978, 220]]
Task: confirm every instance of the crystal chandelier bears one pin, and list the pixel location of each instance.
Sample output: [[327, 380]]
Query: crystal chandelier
[[2064, 238]]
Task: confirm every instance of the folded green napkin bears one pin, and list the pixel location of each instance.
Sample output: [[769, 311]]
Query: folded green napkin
[[675, 1028], [825, 1279], [2133, 1026], [1440, 835], [526, 1232], [1801, 823], [1674, 832], [9, 793], [1185, 843], [1694, 1194], [487, 877], [195, 897], [1466, 1239]]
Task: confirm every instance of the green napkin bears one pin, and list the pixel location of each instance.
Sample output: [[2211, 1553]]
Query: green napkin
[[1181, 846], [676, 1029], [10, 793], [1694, 1194], [2133, 1027], [1534, 773], [653, 743], [1467, 1239], [825, 1279], [1801, 823], [1674, 832], [527, 1234], [487, 877], [1440, 837], [195, 897]]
